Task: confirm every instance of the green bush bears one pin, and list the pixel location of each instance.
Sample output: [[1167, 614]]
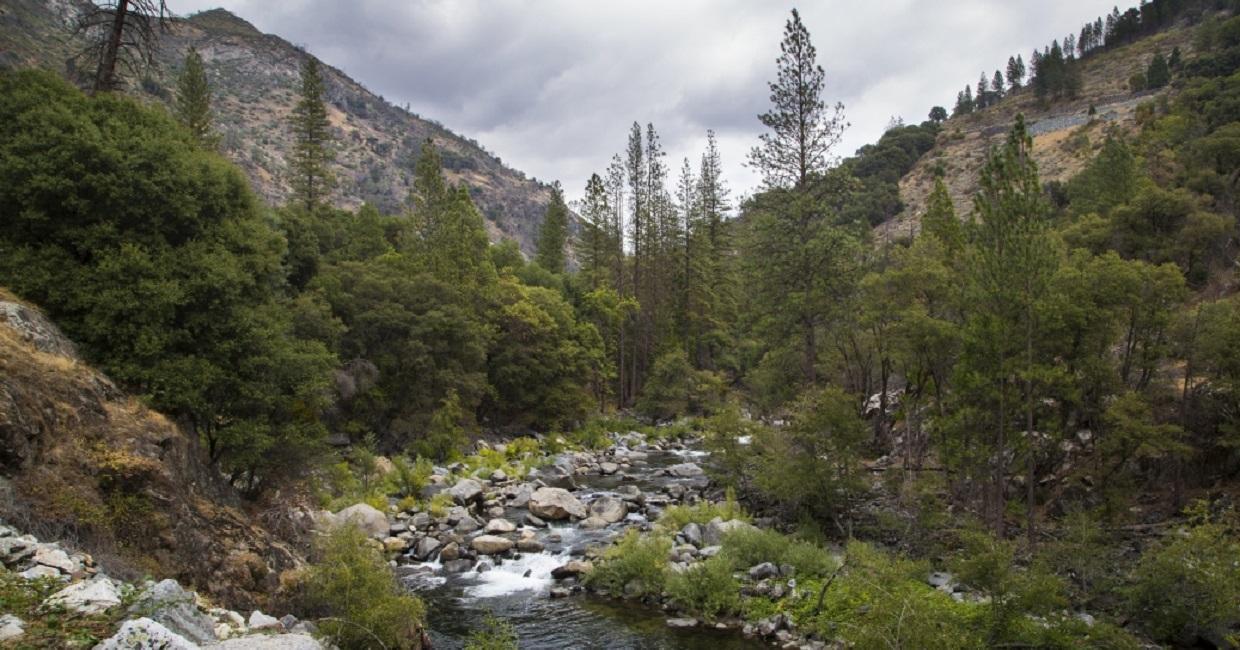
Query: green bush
[[495, 634], [409, 476], [354, 595], [988, 565], [676, 517], [746, 547], [1190, 583], [637, 560], [707, 588]]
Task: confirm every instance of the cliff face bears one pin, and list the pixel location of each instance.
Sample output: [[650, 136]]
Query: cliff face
[[254, 80], [82, 462], [1065, 136]]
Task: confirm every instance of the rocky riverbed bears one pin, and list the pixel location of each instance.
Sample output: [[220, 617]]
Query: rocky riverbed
[[518, 548]]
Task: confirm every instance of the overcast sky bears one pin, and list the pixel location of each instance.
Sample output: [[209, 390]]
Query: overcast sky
[[552, 86]]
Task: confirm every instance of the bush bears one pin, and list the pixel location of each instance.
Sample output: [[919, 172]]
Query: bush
[[495, 634], [675, 388], [636, 566], [676, 517], [706, 588], [355, 596], [1188, 584], [409, 477], [988, 565], [747, 547]]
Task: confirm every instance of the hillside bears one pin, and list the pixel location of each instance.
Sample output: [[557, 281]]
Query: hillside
[[254, 78], [84, 462], [1065, 136]]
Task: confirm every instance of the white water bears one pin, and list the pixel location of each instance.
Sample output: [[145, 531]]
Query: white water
[[510, 576]]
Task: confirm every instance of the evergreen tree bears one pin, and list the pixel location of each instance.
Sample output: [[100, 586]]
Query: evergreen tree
[[593, 248], [983, 98], [802, 130], [1015, 72], [1158, 73], [996, 86], [940, 220], [938, 114], [312, 155], [553, 234], [193, 98], [122, 32]]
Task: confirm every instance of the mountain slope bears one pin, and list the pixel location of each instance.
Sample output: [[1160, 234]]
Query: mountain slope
[[1065, 136], [254, 78]]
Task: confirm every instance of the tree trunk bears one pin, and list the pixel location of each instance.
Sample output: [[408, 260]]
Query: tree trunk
[[105, 78]]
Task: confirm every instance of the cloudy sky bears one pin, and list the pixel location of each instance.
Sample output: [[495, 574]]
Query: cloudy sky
[[552, 86]]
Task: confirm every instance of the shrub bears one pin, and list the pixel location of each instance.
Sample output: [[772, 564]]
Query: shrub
[[1190, 583], [409, 477], [495, 634], [746, 547], [636, 566], [675, 388], [676, 517], [706, 588], [988, 565], [356, 597]]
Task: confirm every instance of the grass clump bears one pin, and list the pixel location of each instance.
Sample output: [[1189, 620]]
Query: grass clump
[[636, 566], [495, 634], [677, 517], [746, 547], [356, 598], [707, 589]]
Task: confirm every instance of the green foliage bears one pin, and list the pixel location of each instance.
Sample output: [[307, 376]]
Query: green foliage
[[724, 435], [54, 627], [675, 388], [1188, 583], [1158, 73], [678, 516], [193, 99], [810, 466], [445, 437], [495, 634], [408, 477], [312, 155], [355, 596], [635, 566], [553, 233], [988, 564], [706, 588], [747, 547], [153, 255]]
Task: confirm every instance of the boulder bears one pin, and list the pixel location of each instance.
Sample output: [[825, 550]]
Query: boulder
[[491, 544], [609, 509], [270, 642], [713, 533], [467, 525], [534, 521], [11, 627], [520, 497], [88, 597], [260, 621], [763, 571], [556, 503], [692, 533], [608, 468], [466, 491], [366, 517], [144, 633], [593, 523], [499, 476], [425, 547], [50, 556], [451, 551], [499, 526], [168, 604], [573, 569], [394, 544], [529, 545], [685, 470], [39, 571]]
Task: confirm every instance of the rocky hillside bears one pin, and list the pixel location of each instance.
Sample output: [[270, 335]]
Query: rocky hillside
[[254, 78], [1066, 137], [82, 462]]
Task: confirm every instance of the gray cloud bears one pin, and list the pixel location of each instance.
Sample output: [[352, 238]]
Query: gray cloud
[[552, 85]]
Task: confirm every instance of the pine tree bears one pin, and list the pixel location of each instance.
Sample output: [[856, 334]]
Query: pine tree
[[193, 99], [553, 234], [983, 93], [802, 131], [996, 86], [1015, 73], [122, 32], [312, 179], [940, 220], [1011, 269], [592, 245]]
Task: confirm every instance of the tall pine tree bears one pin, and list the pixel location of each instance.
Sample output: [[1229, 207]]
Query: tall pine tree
[[553, 234], [312, 154], [193, 98]]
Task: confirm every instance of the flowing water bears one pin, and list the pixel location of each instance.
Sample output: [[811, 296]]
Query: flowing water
[[517, 590]]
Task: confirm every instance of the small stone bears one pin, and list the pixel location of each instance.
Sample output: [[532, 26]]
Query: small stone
[[573, 569], [88, 597], [535, 521], [39, 571], [609, 509], [466, 491], [682, 623], [593, 523], [560, 592], [692, 533], [261, 621], [146, 633], [763, 571], [450, 552], [607, 469], [529, 545], [425, 548]]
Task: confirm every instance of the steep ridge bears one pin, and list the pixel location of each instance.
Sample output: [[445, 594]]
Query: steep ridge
[[254, 79], [82, 462], [1065, 135]]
